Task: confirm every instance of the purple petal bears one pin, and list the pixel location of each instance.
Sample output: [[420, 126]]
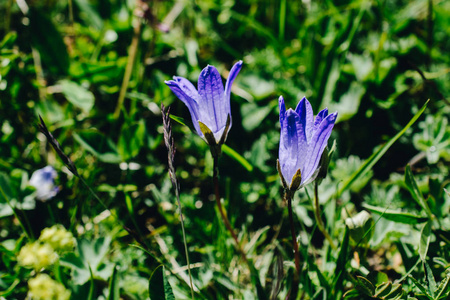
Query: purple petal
[[186, 92], [317, 145], [305, 112], [231, 77], [212, 106], [320, 116], [282, 108], [292, 144]]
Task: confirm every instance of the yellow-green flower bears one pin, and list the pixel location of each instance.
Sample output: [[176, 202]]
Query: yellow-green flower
[[37, 256], [43, 287], [58, 237]]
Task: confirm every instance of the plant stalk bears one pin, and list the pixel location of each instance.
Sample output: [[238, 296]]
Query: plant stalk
[[317, 215], [129, 68], [222, 211], [295, 283]]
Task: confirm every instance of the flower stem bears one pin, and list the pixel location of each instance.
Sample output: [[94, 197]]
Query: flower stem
[[295, 283], [317, 214], [222, 211]]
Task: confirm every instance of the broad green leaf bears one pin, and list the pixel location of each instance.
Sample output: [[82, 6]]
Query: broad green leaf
[[77, 95], [372, 160], [131, 140], [396, 216], [98, 144], [349, 102], [414, 190], [159, 287], [88, 262], [253, 115], [377, 278], [425, 237], [365, 286]]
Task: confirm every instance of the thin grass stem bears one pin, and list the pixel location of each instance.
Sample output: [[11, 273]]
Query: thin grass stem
[[168, 140], [317, 215]]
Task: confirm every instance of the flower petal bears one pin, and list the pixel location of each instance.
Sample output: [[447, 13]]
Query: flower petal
[[292, 143], [212, 106], [320, 116], [305, 112], [187, 93], [317, 145], [231, 77]]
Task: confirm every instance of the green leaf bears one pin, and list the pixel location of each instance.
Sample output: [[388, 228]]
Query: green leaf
[[159, 287], [240, 159], [396, 291], [88, 14], [396, 216], [421, 287], [253, 115], [377, 278], [365, 286], [383, 289], [432, 286], [89, 260], [349, 102], [5, 186], [48, 41], [131, 140], [414, 190], [425, 237], [374, 158], [342, 261], [114, 288], [443, 288], [8, 40], [77, 95], [98, 144]]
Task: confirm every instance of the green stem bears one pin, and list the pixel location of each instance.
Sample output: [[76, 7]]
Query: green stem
[[177, 193], [29, 233], [317, 215], [295, 283], [222, 211], [129, 68]]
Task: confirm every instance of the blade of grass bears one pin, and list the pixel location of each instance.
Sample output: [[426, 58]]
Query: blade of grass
[[372, 160]]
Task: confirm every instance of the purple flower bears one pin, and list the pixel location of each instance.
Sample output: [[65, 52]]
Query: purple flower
[[210, 105], [44, 182], [303, 138]]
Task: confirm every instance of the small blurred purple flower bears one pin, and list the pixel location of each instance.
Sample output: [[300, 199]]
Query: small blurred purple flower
[[44, 182], [303, 139], [210, 105]]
